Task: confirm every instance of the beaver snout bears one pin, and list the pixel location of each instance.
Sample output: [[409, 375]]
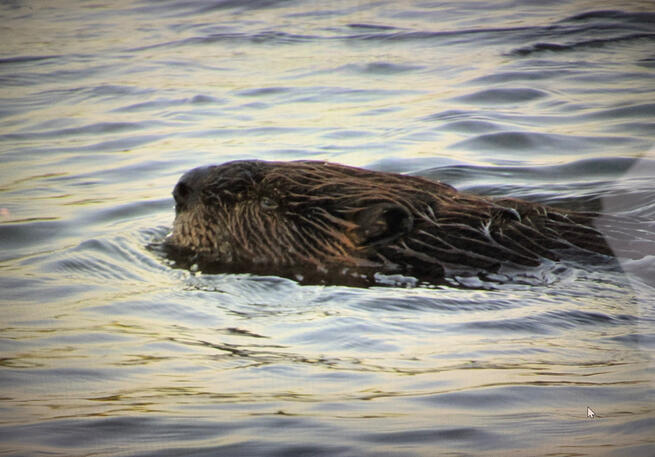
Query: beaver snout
[[187, 189]]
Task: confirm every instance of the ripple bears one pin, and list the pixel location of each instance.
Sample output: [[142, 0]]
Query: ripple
[[543, 142], [476, 438], [646, 18], [504, 95], [91, 129], [525, 75], [89, 433], [264, 91], [471, 126], [581, 45], [429, 36], [371, 26], [26, 59], [387, 68], [545, 323], [17, 234], [165, 103], [641, 110], [104, 259], [268, 37], [596, 168], [107, 349]]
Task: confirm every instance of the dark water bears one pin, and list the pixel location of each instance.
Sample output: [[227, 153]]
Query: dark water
[[107, 351]]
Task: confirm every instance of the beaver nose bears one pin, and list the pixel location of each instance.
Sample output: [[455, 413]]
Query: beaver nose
[[187, 188]]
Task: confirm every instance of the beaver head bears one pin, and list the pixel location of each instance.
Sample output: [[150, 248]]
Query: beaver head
[[309, 219]]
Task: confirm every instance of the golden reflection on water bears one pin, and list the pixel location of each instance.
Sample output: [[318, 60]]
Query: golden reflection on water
[[97, 326]]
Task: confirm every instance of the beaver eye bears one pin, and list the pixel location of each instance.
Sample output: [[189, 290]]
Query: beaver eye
[[267, 203]]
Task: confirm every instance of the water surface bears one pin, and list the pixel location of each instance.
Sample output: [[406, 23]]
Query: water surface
[[106, 350]]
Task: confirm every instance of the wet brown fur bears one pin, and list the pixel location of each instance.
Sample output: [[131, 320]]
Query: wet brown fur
[[317, 218]]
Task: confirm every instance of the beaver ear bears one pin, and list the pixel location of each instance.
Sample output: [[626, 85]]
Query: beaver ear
[[383, 222]]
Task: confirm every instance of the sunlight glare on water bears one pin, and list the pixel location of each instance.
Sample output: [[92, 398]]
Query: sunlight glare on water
[[107, 349]]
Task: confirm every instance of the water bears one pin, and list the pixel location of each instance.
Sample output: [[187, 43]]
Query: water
[[107, 351]]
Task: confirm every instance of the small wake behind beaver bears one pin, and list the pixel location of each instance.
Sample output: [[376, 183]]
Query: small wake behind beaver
[[325, 223]]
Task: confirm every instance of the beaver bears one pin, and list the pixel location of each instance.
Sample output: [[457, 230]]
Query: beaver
[[321, 222]]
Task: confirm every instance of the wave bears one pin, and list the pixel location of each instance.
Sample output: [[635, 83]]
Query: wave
[[571, 47]]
